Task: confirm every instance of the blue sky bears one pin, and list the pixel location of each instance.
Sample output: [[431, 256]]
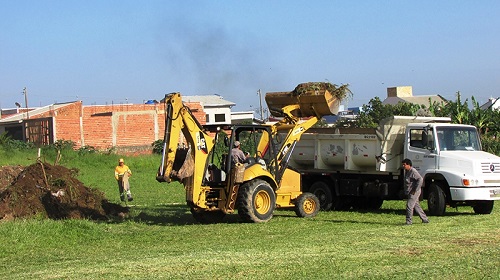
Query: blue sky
[[104, 52]]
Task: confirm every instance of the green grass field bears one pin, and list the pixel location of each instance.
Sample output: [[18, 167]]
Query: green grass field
[[160, 239]]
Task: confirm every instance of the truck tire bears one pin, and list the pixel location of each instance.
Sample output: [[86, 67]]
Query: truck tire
[[208, 217], [307, 205], [483, 207], [322, 191], [436, 201], [375, 203], [256, 201]]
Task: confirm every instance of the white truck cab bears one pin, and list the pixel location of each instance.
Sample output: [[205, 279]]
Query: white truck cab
[[454, 167]]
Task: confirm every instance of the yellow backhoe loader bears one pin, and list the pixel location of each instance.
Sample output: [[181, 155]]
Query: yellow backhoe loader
[[200, 156]]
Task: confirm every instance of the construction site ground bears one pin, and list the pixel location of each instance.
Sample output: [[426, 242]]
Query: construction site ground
[[43, 190]]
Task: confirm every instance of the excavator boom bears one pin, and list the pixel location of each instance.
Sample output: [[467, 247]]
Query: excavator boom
[[185, 145]]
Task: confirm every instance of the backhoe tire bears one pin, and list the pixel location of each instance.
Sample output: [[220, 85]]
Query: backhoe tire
[[208, 217], [256, 201], [483, 207], [307, 205], [436, 201], [322, 191]]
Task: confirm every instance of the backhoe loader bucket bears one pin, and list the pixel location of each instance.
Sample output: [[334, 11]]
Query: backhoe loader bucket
[[183, 164], [314, 99]]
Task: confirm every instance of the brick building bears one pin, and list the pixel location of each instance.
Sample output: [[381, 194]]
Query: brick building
[[128, 128]]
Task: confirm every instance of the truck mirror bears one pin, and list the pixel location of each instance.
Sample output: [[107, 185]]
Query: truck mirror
[[424, 138], [430, 146]]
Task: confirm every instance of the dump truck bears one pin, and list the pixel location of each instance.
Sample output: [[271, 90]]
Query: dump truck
[[360, 168], [200, 157]]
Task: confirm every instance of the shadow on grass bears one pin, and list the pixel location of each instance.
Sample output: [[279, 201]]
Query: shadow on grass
[[179, 215], [400, 213], [167, 215]]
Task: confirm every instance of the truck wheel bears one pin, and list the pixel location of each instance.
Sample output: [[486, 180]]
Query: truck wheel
[[376, 203], [208, 217], [256, 201], [322, 191], [436, 202], [483, 207], [307, 205]]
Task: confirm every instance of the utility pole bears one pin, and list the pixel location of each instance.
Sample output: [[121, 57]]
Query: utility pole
[[25, 92], [261, 109]]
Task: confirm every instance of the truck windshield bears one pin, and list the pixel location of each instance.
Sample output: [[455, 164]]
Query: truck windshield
[[458, 139]]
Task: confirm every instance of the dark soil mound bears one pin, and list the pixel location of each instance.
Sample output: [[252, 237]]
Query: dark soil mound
[[51, 191], [8, 174]]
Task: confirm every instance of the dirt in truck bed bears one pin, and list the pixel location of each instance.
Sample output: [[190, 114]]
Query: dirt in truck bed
[[51, 191]]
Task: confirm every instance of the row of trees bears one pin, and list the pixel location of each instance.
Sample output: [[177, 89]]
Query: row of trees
[[487, 121]]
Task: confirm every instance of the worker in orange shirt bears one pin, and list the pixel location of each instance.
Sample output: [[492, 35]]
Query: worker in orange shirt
[[122, 173]]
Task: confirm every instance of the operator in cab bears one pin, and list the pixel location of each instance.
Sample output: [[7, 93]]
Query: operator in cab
[[237, 154]]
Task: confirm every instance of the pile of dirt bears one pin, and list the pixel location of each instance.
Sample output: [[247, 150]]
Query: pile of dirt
[[51, 191], [339, 92]]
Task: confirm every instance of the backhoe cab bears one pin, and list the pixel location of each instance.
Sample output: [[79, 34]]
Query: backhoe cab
[[200, 156]]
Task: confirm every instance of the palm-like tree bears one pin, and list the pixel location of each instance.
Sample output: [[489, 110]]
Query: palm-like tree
[[482, 119]]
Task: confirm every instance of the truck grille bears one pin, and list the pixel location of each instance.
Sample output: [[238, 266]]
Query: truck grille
[[490, 167]]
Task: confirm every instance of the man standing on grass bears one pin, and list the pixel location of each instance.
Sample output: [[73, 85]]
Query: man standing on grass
[[122, 172], [413, 188]]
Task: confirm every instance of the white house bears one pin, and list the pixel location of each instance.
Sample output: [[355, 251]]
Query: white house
[[242, 116], [405, 94], [492, 103], [218, 110]]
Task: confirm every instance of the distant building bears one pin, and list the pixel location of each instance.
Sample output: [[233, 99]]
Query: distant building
[[4, 113], [242, 116], [217, 109], [127, 128], [405, 94], [492, 103], [350, 114]]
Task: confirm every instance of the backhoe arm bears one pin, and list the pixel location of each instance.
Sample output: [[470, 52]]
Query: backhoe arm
[[295, 128], [185, 146]]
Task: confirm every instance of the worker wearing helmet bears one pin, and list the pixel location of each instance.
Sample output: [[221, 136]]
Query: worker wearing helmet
[[122, 173]]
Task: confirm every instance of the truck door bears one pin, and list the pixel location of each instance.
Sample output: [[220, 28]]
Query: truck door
[[421, 149]]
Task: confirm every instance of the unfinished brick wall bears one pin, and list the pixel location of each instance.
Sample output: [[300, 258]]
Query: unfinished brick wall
[[124, 127], [67, 122], [128, 127]]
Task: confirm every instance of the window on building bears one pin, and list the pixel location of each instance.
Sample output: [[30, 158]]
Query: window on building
[[220, 117], [207, 119]]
